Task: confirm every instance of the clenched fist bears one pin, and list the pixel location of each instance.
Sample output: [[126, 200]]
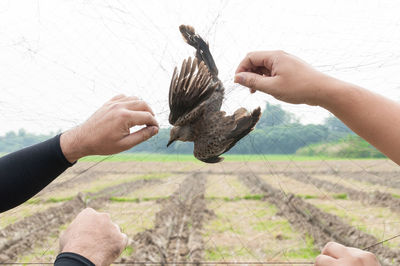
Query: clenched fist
[[335, 254], [94, 236], [107, 131]]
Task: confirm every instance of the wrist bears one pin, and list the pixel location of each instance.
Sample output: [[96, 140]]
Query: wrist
[[335, 93], [72, 145], [89, 254]]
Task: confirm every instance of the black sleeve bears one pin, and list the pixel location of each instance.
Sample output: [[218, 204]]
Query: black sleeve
[[25, 172], [72, 259]]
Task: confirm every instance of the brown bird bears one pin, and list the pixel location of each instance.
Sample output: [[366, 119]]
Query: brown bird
[[195, 99]]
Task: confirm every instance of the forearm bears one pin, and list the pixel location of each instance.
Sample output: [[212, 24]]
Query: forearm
[[371, 116], [24, 173]]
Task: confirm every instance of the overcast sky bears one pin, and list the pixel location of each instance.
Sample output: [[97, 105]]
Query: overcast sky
[[61, 60]]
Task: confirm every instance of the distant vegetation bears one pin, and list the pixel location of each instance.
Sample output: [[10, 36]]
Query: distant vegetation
[[278, 132], [350, 147], [13, 141]]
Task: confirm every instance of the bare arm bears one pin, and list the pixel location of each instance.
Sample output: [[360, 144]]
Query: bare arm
[[373, 117], [287, 78]]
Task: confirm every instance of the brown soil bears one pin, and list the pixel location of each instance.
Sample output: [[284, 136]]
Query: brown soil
[[19, 238], [377, 198], [176, 236], [322, 226]]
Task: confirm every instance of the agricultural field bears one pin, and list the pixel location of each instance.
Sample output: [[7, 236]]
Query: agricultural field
[[249, 209]]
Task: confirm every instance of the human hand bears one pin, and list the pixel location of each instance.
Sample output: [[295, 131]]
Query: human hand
[[334, 254], [107, 130], [94, 236], [281, 75]]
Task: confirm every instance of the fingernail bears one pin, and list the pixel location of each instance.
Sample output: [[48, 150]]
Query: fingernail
[[154, 130], [239, 78]]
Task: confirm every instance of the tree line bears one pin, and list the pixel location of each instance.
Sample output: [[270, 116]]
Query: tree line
[[277, 132]]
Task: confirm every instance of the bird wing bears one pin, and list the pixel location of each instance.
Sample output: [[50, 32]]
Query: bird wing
[[220, 133], [188, 92]]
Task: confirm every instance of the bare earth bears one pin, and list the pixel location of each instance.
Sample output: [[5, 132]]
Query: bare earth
[[190, 212]]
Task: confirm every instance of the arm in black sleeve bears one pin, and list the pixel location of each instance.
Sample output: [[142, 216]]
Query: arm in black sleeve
[[25, 172], [72, 259]]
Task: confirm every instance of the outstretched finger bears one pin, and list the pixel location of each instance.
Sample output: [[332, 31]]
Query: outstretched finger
[[257, 59], [137, 118], [255, 81], [139, 136]]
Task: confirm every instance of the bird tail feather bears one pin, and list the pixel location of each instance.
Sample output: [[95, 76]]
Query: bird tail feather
[[244, 125]]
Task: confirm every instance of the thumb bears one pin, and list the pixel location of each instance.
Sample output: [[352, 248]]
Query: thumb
[[139, 136], [255, 81]]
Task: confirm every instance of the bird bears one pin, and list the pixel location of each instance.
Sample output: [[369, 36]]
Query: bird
[[195, 98]]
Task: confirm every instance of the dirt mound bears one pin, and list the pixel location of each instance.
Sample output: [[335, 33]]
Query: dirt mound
[[322, 226], [19, 238], [377, 198], [176, 236]]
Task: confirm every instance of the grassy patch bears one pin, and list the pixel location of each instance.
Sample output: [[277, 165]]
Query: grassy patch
[[307, 252], [220, 225], [223, 253], [54, 200], [229, 199], [154, 157], [49, 200], [307, 196], [282, 226], [127, 251], [137, 200], [342, 196]]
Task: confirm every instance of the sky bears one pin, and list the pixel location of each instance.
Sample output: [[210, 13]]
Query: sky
[[61, 60]]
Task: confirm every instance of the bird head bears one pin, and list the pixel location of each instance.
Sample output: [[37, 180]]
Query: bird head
[[182, 133]]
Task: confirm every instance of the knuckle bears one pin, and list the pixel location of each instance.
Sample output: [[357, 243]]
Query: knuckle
[[328, 246], [124, 115], [368, 256], [114, 106], [106, 215], [280, 52], [88, 210], [119, 96], [148, 116], [134, 98]]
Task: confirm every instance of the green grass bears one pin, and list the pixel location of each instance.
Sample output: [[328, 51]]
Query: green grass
[[340, 196], [50, 200], [307, 196], [127, 251], [307, 252], [227, 199], [154, 157], [121, 199]]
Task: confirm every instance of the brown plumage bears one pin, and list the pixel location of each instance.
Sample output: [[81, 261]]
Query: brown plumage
[[195, 99]]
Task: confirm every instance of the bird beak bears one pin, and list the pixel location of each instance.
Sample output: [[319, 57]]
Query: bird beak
[[170, 142]]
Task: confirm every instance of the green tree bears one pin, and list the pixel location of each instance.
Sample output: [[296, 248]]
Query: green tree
[[274, 115]]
